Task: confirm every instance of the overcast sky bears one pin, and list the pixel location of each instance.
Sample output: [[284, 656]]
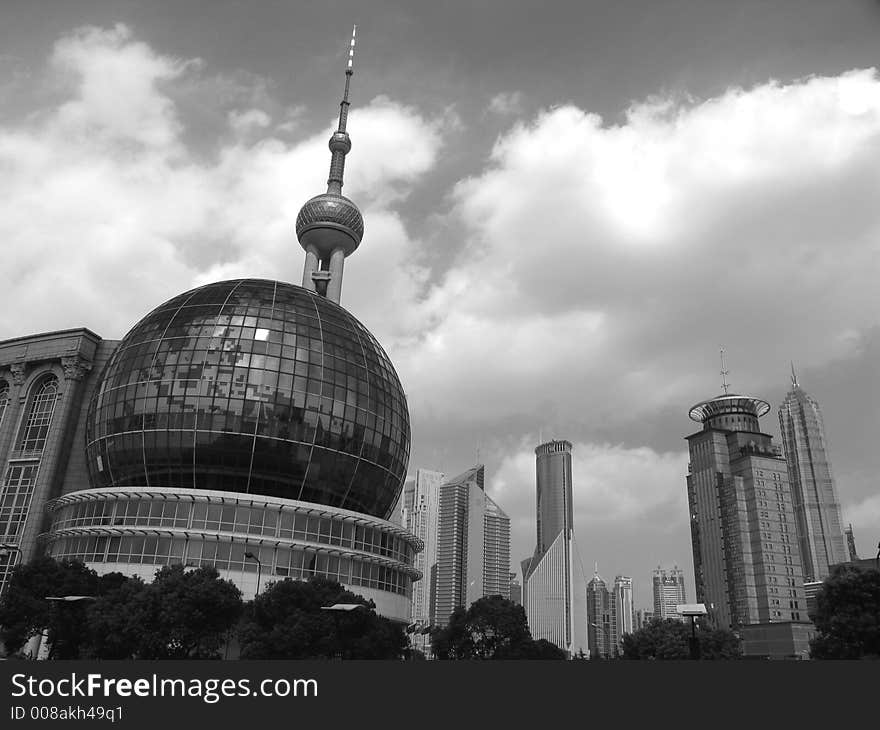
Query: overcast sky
[[569, 208]]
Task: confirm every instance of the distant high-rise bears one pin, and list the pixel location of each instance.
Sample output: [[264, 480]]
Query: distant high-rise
[[600, 628], [747, 565], [669, 592], [642, 618], [622, 609], [473, 545], [420, 511], [554, 591], [851, 544], [816, 506], [515, 590]]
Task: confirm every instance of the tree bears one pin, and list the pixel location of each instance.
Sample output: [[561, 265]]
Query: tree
[[287, 621], [847, 615], [25, 612], [183, 614], [492, 628], [669, 639]]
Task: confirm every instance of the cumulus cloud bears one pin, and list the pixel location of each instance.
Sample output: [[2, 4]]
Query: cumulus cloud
[[104, 200], [611, 261]]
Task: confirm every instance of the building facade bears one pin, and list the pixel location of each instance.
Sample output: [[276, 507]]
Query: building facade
[[420, 514], [623, 619], [600, 622], [554, 587], [814, 494], [669, 592], [44, 381], [747, 565], [473, 546]]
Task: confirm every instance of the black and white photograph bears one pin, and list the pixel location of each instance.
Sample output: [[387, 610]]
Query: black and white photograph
[[355, 339]]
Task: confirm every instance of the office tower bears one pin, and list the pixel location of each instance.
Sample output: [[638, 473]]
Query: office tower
[[747, 565], [515, 590], [420, 514], [622, 614], [851, 544], [814, 495], [554, 589], [473, 545], [669, 592], [642, 618], [251, 425], [600, 627]]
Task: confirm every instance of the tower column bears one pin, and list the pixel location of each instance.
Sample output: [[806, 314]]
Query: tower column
[[334, 286], [310, 267]]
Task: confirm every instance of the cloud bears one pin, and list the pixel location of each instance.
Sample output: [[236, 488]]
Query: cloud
[[108, 209], [605, 264]]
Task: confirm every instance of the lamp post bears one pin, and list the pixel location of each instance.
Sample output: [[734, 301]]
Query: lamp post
[[250, 556]]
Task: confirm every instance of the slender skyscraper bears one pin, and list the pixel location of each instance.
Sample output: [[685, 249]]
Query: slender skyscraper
[[554, 589], [600, 626], [816, 506], [330, 226], [420, 515], [473, 546], [747, 565], [622, 615]]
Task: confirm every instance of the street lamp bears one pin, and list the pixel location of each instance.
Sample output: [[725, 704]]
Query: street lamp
[[250, 556], [693, 610]]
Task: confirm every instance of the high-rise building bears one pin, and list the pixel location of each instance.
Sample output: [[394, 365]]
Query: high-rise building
[[420, 514], [642, 618], [814, 495], [669, 592], [747, 565], [600, 626], [473, 545], [851, 543], [622, 610], [251, 425], [554, 587], [515, 590]]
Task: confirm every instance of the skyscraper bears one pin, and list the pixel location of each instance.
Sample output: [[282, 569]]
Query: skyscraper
[[622, 614], [816, 506], [669, 592], [420, 515], [747, 565], [473, 545], [554, 589], [600, 628]]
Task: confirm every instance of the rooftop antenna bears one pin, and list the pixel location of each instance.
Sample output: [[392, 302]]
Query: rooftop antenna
[[724, 373], [794, 380]]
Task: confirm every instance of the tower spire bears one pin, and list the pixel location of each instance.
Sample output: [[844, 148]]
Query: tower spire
[[794, 380], [724, 373], [330, 226]]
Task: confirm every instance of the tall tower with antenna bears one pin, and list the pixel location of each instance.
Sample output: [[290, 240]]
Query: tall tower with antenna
[[329, 226]]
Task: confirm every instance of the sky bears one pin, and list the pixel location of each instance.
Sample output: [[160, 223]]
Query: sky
[[570, 207]]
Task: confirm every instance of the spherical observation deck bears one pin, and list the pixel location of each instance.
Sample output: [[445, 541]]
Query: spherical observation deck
[[252, 386], [327, 222]]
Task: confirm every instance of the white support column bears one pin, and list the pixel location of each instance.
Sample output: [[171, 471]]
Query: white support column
[[334, 286], [311, 266]]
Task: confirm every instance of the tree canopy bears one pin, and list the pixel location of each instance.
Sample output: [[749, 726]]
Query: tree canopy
[[181, 614], [492, 628], [288, 621], [847, 615], [669, 639]]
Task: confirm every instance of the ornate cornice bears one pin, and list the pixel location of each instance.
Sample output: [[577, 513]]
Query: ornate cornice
[[75, 367]]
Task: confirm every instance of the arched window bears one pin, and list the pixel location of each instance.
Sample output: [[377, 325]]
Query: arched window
[[4, 399], [35, 428]]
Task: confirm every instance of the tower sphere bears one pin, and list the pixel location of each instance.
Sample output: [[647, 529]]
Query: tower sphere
[[252, 386], [327, 222]]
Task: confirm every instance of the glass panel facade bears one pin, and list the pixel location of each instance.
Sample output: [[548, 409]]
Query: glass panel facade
[[252, 386]]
